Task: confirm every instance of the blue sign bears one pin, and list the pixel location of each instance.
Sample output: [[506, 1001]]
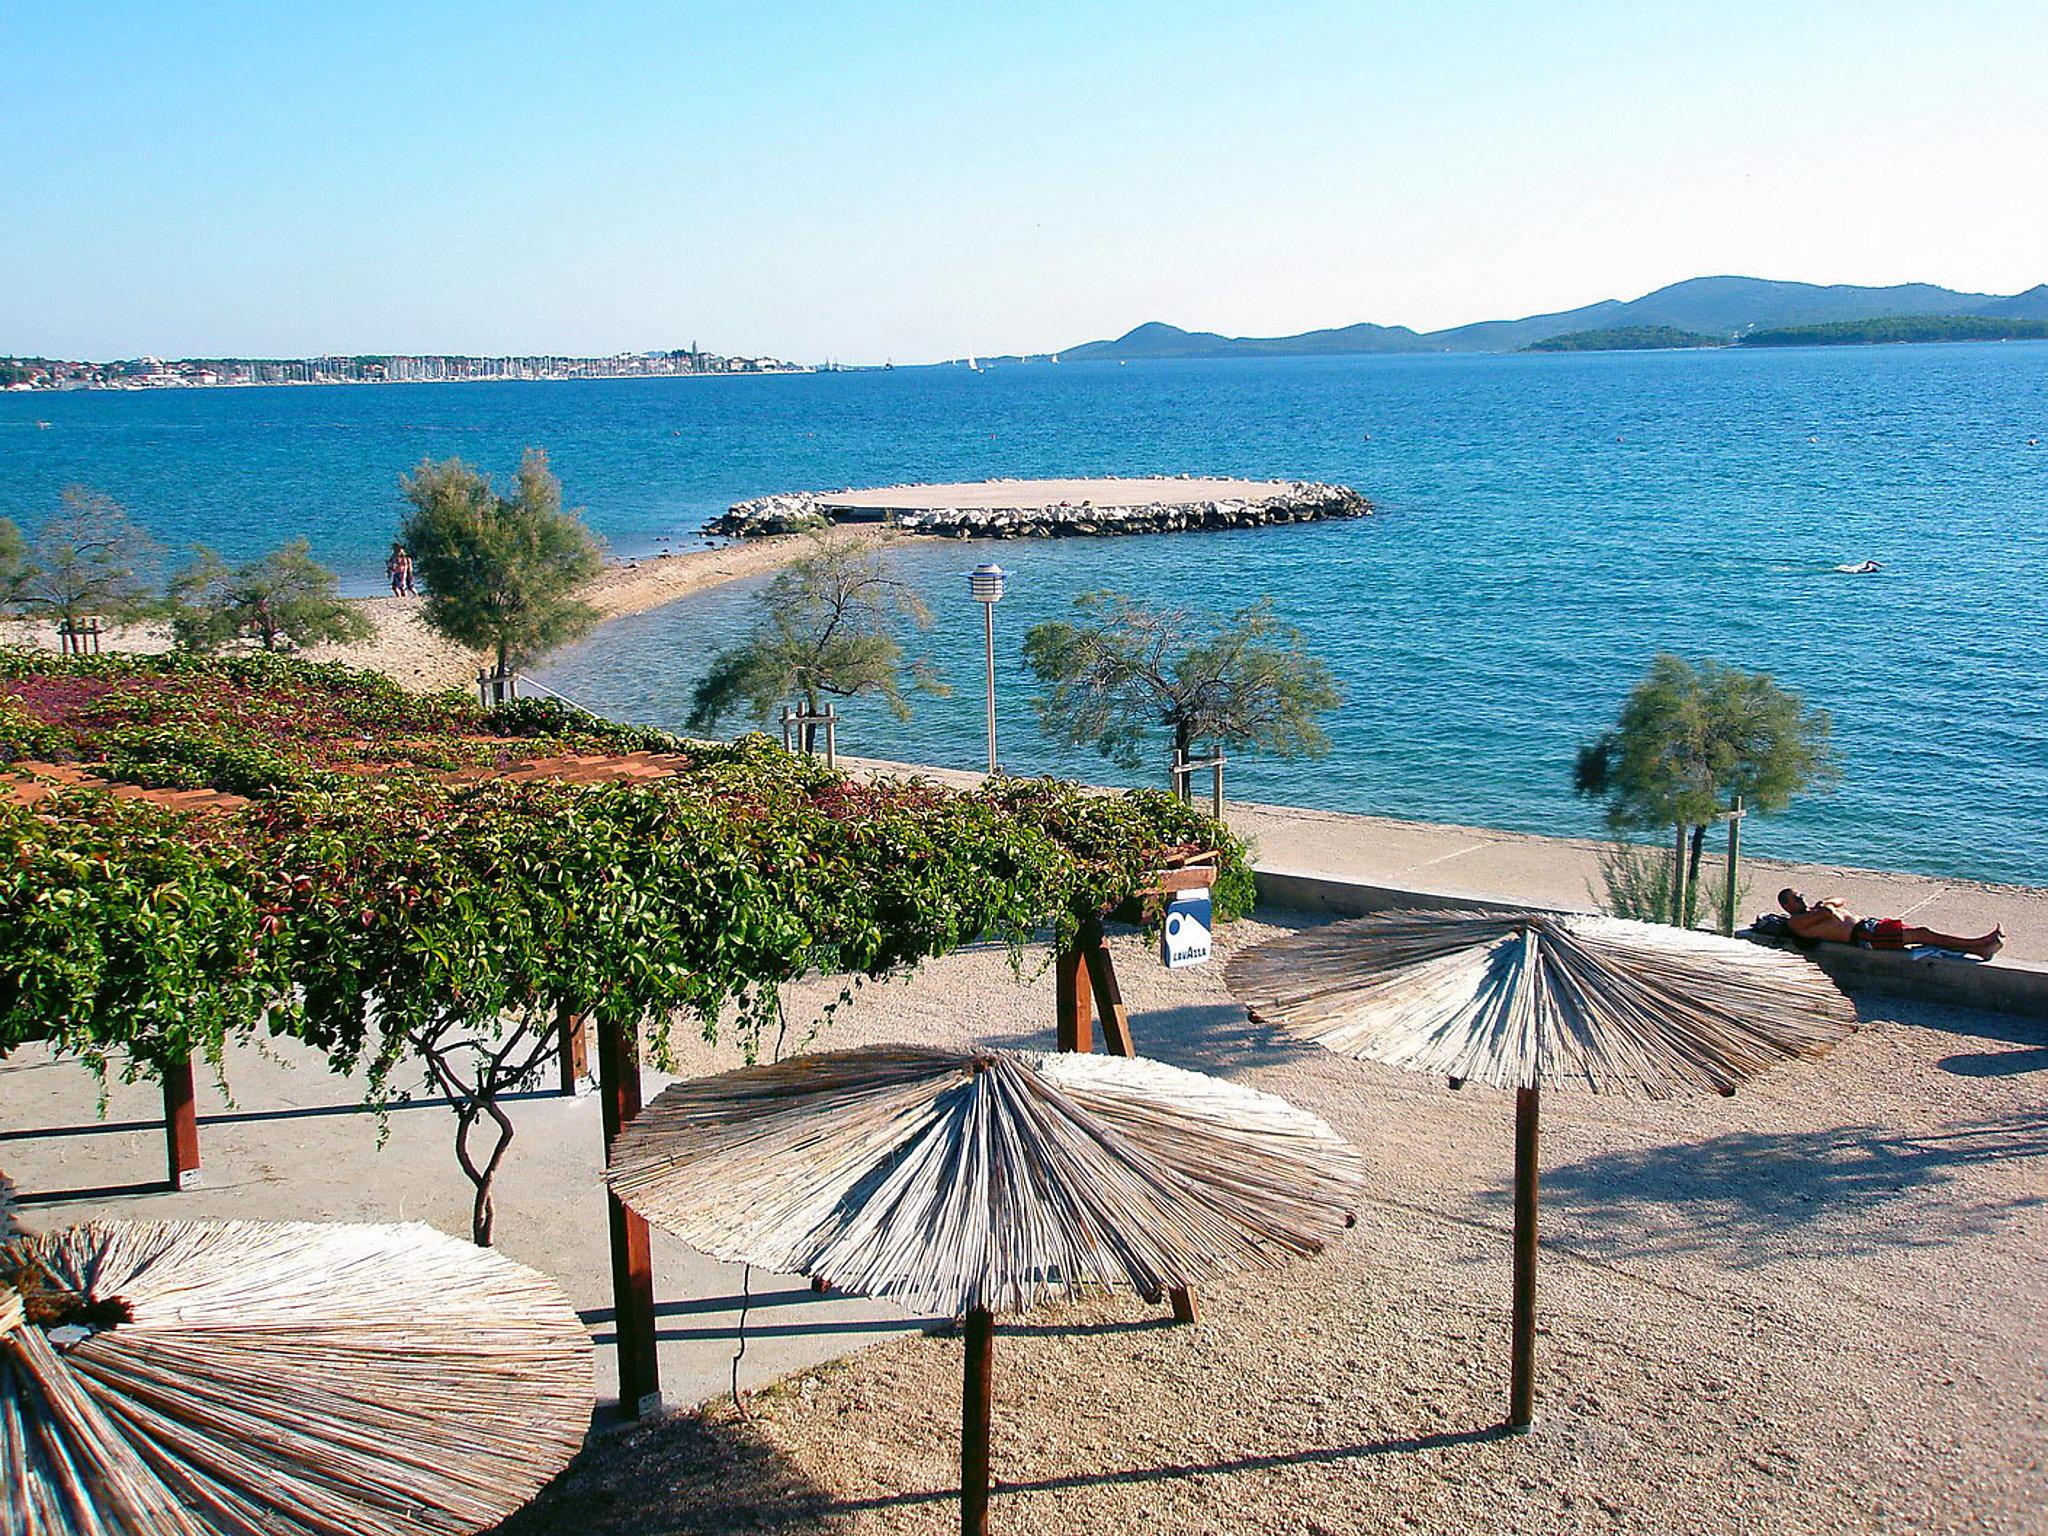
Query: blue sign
[[1185, 939]]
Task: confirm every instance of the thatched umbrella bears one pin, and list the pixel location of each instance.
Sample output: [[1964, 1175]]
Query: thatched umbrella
[[966, 1183], [1528, 1000], [278, 1379]]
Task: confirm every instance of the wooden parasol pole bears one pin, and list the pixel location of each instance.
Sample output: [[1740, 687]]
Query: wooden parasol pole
[[181, 1125], [618, 1067], [1522, 1389], [977, 1400]]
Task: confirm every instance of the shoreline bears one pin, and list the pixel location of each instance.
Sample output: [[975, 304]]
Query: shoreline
[[1454, 859], [414, 657], [1450, 857]]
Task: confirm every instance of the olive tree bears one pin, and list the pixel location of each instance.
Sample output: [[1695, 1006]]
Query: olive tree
[[89, 561], [13, 556], [501, 573], [1692, 738], [284, 598], [828, 625], [1236, 680]]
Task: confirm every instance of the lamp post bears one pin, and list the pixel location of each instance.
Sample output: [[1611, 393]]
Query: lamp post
[[985, 586]]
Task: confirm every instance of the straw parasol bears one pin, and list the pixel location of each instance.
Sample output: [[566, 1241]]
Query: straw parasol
[[967, 1183], [1529, 1000], [276, 1378]]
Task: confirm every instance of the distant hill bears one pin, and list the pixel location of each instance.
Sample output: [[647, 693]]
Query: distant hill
[[1863, 333], [1157, 339], [1627, 338], [1718, 307]]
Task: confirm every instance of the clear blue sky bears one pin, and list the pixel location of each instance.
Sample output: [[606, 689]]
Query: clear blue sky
[[869, 182]]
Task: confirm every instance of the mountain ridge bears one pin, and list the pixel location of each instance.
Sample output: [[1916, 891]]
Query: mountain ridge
[[1714, 306]]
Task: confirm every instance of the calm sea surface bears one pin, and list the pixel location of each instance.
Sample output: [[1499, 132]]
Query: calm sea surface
[[1546, 524]]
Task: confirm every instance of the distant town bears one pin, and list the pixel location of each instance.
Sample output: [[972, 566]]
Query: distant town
[[30, 373]]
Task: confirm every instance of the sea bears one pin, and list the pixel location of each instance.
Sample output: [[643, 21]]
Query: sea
[[1545, 525]]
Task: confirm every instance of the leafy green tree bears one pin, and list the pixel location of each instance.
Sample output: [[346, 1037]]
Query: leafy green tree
[[89, 561], [1241, 680], [829, 627], [501, 574], [13, 557], [286, 597], [1690, 739]]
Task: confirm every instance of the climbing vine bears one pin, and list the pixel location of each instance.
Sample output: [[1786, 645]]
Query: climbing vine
[[383, 900]]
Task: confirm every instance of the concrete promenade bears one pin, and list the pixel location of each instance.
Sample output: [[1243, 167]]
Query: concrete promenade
[[1479, 863]]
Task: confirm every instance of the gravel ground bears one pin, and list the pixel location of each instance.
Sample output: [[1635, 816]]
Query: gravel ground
[[1817, 1307]]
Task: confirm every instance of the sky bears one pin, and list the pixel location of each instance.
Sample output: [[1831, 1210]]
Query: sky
[[869, 183]]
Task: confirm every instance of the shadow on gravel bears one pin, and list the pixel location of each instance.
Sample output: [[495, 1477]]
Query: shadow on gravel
[[1837, 1190], [1203, 1037], [687, 1475], [1276, 1461], [693, 1476]]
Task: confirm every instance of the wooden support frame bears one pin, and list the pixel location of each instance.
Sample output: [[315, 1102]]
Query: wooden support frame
[[181, 1126], [618, 1065], [1085, 985], [574, 1053], [1073, 1001]]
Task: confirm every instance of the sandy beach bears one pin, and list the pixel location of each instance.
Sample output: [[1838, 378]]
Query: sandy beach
[[406, 650]]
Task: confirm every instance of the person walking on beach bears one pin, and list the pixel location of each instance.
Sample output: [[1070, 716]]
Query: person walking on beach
[[1830, 921], [399, 569]]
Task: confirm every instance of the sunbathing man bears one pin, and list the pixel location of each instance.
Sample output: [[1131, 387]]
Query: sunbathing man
[[1830, 921]]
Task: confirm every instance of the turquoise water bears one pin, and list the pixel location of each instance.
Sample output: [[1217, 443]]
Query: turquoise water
[[1546, 524]]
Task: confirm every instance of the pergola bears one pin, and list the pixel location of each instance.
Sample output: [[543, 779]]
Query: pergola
[[1085, 978]]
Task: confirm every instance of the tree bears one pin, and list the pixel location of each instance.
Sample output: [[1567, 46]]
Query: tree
[[1236, 681], [828, 626], [500, 574], [13, 558], [1692, 738], [89, 561], [285, 597]]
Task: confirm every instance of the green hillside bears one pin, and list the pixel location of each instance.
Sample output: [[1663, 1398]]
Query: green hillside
[[1627, 338], [1864, 333]]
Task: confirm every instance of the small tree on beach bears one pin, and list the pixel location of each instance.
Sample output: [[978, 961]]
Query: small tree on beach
[[1238, 681], [89, 561], [1692, 738], [13, 557], [285, 598], [501, 574], [829, 627]]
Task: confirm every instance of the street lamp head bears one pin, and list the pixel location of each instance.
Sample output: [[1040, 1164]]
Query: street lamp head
[[985, 583]]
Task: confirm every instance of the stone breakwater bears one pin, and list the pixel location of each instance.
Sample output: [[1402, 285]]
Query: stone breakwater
[[1297, 501]]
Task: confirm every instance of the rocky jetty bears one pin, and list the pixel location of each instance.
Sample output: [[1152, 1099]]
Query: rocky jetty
[[1294, 501]]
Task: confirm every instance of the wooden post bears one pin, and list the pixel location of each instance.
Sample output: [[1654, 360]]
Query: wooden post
[[1109, 996], [977, 1402], [1728, 897], [1522, 1386], [574, 1050], [618, 1065], [1678, 881], [1074, 1008], [181, 1126]]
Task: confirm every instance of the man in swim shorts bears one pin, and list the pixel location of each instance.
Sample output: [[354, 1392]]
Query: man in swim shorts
[[1830, 921]]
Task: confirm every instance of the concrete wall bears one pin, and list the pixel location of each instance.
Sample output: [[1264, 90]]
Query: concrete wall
[[2000, 986]]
